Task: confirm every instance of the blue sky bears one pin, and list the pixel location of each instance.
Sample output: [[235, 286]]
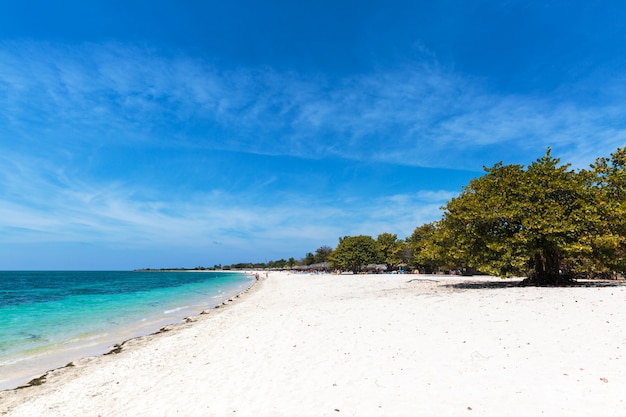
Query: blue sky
[[175, 134]]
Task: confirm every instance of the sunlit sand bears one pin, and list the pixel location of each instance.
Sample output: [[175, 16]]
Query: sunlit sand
[[363, 345]]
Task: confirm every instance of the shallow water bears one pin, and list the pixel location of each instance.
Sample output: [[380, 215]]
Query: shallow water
[[52, 316]]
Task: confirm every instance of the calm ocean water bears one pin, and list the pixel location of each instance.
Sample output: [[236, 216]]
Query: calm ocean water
[[47, 318]]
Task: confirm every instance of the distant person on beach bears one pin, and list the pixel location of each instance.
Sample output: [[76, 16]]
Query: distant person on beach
[[256, 276]]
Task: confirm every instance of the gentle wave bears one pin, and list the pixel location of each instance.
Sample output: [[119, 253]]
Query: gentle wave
[[174, 310]]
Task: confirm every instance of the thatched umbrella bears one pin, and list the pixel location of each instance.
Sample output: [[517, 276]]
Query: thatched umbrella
[[376, 267]]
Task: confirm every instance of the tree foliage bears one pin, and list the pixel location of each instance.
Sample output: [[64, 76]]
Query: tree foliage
[[545, 219], [390, 249], [355, 252], [322, 254], [610, 186], [309, 259], [427, 250]]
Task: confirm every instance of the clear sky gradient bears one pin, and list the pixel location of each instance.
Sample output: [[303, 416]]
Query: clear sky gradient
[[183, 133]]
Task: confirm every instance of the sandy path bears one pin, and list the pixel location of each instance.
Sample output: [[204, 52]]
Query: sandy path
[[301, 345]]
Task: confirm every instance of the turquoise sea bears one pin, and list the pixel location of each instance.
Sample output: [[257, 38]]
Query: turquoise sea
[[48, 319]]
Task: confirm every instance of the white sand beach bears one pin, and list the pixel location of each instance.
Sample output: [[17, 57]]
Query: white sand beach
[[367, 345]]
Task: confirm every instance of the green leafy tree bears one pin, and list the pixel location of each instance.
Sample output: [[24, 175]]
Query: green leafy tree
[[390, 249], [422, 244], [279, 264], [322, 254], [309, 259], [403, 253], [355, 252], [513, 221], [610, 186]]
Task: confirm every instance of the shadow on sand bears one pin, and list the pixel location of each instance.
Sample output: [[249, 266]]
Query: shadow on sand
[[480, 285]]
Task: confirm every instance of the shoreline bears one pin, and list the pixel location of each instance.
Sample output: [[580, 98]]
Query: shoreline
[[379, 345], [24, 371]]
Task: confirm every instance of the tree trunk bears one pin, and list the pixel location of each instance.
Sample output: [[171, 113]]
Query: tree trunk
[[538, 264], [547, 269], [552, 261]]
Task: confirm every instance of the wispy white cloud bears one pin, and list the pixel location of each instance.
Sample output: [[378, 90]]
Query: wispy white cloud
[[419, 115], [58, 103], [43, 204]]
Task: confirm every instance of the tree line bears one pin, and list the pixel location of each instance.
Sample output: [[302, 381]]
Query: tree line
[[545, 221]]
